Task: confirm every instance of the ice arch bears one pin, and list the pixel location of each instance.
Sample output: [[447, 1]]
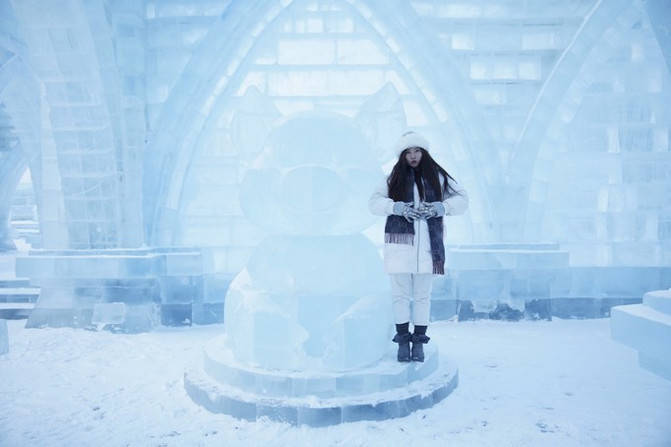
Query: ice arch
[[206, 83], [90, 114], [552, 93], [610, 130], [19, 115]]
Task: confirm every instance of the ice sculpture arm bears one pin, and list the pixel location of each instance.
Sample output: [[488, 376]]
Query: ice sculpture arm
[[458, 203], [379, 203]]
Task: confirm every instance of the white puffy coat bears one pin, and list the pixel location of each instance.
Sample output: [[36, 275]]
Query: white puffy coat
[[415, 258]]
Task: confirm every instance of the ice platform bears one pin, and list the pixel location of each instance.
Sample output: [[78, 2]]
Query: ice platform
[[387, 389], [646, 327]]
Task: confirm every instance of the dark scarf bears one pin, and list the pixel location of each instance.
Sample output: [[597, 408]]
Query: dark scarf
[[398, 230]]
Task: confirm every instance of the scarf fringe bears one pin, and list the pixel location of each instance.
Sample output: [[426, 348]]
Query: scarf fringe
[[438, 268], [399, 238]]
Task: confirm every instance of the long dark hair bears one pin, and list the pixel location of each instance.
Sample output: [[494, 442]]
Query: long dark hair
[[428, 169]]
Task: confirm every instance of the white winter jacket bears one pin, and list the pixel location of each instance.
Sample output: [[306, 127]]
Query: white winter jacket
[[415, 258]]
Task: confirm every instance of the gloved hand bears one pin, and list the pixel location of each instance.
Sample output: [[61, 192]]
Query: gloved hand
[[432, 209], [406, 210]]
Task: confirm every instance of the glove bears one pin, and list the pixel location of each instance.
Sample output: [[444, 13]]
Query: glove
[[433, 209], [406, 210]]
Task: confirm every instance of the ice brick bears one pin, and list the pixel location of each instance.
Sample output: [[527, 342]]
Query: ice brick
[[108, 313], [4, 337]]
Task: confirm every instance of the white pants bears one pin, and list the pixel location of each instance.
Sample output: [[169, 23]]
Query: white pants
[[415, 287]]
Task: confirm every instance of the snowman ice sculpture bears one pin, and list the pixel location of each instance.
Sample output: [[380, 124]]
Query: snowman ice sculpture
[[313, 296], [308, 322]]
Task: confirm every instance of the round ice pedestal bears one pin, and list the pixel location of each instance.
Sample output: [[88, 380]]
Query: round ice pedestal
[[387, 389]]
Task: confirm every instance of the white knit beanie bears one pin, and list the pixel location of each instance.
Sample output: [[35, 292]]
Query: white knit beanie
[[410, 139]]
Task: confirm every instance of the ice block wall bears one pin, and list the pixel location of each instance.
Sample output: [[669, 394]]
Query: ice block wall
[[154, 109]]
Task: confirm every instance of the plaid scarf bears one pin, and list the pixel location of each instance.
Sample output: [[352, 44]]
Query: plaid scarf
[[398, 230]]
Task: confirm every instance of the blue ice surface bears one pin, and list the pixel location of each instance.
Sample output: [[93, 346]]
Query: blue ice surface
[[4, 337]]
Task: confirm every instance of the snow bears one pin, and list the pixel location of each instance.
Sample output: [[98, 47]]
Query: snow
[[563, 382]]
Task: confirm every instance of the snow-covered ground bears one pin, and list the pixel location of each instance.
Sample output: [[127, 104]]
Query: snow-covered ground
[[559, 383]]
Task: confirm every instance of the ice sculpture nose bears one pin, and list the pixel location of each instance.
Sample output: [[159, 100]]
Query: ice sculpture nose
[[309, 190]]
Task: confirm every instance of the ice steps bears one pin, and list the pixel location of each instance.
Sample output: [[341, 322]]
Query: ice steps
[[659, 301], [646, 327], [220, 364], [311, 410], [17, 298], [15, 311], [19, 294]]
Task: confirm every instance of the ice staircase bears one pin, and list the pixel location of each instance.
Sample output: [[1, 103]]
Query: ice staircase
[[17, 297], [29, 231], [384, 390], [646, 327]]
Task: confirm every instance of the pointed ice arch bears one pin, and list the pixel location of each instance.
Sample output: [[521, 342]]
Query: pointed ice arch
[[203, 99]]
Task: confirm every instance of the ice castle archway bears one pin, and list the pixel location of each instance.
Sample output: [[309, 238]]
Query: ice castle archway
[[19, 121], [609, 123]]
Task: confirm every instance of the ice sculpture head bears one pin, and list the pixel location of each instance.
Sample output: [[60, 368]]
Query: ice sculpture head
[[313, 177]]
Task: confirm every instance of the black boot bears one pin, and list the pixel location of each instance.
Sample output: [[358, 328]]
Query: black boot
[[419, 339], [402, 337]]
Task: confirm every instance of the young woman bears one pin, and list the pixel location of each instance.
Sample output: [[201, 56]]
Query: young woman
[[415, 197]]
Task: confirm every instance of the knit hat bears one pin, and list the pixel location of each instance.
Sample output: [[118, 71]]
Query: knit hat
[[410, 139]]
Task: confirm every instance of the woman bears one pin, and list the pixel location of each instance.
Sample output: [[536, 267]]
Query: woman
[[415, 197]]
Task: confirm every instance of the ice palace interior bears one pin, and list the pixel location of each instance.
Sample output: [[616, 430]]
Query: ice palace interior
[[186, 249]]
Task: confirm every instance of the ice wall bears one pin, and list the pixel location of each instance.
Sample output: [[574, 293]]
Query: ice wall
[[4, 337], [514, 73], [600, 184], [141, 113]]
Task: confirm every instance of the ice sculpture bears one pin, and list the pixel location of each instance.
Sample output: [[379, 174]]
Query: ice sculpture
[[313, 295], [308, 321]]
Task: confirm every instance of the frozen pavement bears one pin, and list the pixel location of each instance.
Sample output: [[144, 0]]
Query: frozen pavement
[[559, 383]]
